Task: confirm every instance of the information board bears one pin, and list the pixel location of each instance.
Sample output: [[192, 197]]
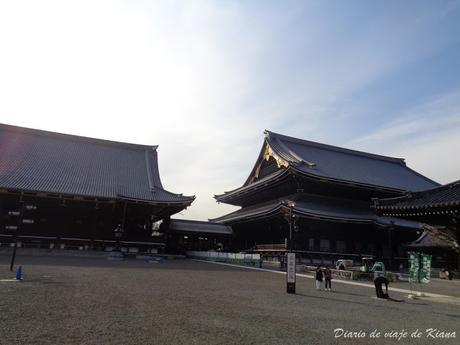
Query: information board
[[291, 267]]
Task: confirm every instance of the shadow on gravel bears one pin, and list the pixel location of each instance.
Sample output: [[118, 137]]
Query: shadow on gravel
[[347, 293], [45, 281], [183, 264], [450, 315], [334, 299]]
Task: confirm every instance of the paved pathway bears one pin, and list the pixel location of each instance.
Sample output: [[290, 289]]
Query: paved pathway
[[426, 295]]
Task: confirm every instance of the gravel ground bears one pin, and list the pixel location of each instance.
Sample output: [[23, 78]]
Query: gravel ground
[[96, 301]]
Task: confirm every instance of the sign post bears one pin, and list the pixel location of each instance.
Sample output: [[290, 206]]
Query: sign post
[[290, 273], [290, 256]]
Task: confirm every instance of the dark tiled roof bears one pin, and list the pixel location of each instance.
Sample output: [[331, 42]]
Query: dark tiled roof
[[48, 162], [426, 240], [260, 183], [251, 212], [316, 207], [444, 196], [193, 226], [347, 165], [333, 163]]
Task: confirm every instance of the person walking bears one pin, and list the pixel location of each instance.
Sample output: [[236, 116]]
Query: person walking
[[327, 278], [318, 278]]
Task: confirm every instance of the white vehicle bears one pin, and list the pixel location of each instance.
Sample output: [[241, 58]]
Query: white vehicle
[[344, 264]]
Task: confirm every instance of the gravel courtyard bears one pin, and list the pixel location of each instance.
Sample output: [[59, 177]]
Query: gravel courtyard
[[65, 300]]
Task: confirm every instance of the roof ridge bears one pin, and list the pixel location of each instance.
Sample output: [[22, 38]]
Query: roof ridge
[[298, 159], [449, 185], [272, 135], [421, 193], [415, 196], [74, 137]]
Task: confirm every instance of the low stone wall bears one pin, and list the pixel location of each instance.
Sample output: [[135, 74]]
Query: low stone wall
[[353, 275], [343, 274], [234, 258], [53, 252]]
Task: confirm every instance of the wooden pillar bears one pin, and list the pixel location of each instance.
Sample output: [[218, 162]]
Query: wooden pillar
[[60, 222], [390, 248], [123, 220], [119, 235], [2, 213], [94, 225]]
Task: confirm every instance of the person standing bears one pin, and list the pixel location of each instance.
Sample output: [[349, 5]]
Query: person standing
[[318, 278], [378, 282], [328, 278]]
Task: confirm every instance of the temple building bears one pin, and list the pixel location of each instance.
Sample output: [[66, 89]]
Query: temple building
[[316, 200], [188, 235], [439, 209], [67, 191]]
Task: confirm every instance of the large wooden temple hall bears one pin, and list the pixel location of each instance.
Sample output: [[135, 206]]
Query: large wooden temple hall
[[90, 194], [321, 201], [321, 197]]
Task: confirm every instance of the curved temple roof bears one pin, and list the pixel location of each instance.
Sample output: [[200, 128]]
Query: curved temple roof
[[199, 227], [318, 207], [336, 164], [47, 162], [444, 196], [427, 240]]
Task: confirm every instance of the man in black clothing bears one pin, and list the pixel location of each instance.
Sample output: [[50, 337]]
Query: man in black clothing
[[378, 282]]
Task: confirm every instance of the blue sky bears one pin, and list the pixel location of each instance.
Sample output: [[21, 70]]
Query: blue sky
[[203, 79]]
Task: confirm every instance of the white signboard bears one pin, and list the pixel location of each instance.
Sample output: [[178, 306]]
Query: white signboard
[[290, 267]]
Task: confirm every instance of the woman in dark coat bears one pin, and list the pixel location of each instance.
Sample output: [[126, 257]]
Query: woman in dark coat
[[327, 278], [319, 278]]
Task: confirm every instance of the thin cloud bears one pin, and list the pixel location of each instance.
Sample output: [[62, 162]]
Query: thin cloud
[[428, 136]]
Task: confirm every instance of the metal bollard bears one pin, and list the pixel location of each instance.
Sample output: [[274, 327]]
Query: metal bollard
[[19, 273]]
